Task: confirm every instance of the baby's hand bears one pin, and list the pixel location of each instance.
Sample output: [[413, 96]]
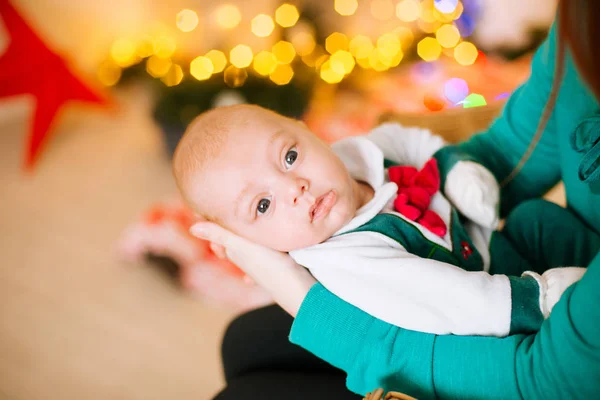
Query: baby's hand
[[474, 191], [557, 280]]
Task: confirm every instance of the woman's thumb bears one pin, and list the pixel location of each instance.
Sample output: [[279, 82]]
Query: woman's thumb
[[211, 232]]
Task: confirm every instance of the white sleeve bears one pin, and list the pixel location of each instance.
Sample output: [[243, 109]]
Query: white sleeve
[[414, 293], [406, 146]]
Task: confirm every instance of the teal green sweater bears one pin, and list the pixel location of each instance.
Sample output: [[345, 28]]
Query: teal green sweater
[[563, 359]]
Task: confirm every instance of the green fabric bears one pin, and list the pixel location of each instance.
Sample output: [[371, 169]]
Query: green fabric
[[563, 359], [525, 314]]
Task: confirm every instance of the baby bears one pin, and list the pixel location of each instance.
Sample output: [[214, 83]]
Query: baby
[[367, 218]]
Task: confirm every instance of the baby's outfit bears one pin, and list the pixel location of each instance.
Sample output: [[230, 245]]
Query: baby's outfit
[[431, 271]]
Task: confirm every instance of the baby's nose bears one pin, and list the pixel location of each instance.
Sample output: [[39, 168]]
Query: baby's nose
[[302, 194]]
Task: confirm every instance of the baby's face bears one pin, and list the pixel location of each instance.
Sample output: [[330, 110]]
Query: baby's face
[[277, 184]]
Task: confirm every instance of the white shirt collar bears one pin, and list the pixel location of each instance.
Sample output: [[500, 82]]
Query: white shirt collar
[[364, 160]]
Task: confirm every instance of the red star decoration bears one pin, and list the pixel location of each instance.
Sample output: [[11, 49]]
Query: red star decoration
[[29, 67]]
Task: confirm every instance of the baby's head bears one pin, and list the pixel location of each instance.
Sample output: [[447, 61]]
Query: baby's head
[[264, 177]]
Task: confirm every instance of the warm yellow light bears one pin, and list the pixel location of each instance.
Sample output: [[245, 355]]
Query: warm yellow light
[[329, 75], [363, 62], [284, 52], [342, 62], [108, 73], [448, 35], [405, 36], [311, 59], [287, 15], [174, 76], [360, 46], [345, 7], [427, 12], [241, 56], [465, 53], [382, 9], [408, 10], [335, 42], [123, 52], [157, 66], [282, 75], [393, 61], [375, 61], [321, 60], [218, 59], [164, 46], [228, 16], [201, 68], [304, 43], [145, 47], [388, 45], [429, 49], [265, 63], [235, 77], [187, 20], [262, 25], [428, 27]]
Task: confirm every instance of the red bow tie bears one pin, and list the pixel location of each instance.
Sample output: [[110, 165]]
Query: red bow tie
[[415, 189]]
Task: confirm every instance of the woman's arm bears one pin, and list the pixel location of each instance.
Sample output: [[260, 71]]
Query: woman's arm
[[561, 361], [501, 147]]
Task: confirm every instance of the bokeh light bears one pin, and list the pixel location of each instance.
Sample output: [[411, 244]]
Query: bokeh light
[[335, 42], [287, 15], [361, 46], [282, 74], [235, 77], [408, 10], [144, 47], [465, 25], [429, 49], [474, 100], [228, 16], [376, 61], [201, 68], [311, 59], [465, 53], [382, 9], [345, 7], [284, 52], [241, 56], [445, 6], [123, 52], [262, 25], [264, 63], [218, 60], [447, 35], [174, 76], [342, 62], [329, 75], [187, 20], [108, 73], [405, 35], [433, 102], [303, 42], [164, 46], [388, 45], [158, 67], [456, 90]]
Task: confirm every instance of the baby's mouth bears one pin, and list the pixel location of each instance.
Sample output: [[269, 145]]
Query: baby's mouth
[[322, 206]]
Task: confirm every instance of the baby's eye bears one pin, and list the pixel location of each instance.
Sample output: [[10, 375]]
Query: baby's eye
[[263, 206], [290, 157]]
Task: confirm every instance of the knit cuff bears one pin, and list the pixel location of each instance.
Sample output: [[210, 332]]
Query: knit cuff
[[526, 314], [447, 157]]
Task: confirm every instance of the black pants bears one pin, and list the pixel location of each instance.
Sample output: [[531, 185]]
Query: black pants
[[261, 363]]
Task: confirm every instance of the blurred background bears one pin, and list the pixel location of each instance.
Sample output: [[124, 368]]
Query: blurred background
[[103, 294]]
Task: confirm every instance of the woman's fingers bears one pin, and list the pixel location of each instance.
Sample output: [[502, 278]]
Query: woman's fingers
[[218, 250]]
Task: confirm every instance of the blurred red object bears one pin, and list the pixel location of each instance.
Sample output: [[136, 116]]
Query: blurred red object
[[29, 67]]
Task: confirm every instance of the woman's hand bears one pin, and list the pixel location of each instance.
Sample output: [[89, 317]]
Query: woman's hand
[[276, 272]]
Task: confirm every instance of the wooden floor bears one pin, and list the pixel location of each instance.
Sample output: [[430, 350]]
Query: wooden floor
[[76, 323]]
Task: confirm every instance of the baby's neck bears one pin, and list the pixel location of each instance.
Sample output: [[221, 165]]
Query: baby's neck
[[363, 193]]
